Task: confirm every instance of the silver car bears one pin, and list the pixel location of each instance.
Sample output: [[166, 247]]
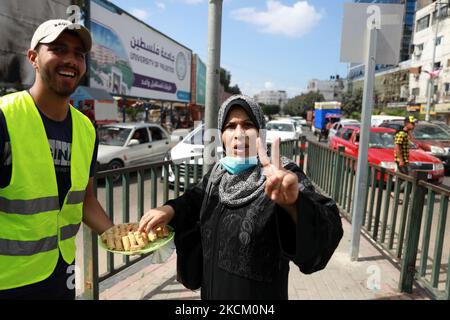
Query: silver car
[[131, 144]]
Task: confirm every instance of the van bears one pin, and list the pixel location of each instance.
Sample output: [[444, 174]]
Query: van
[[379, 119]]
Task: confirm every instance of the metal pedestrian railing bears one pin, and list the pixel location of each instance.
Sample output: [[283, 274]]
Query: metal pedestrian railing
[[404, 215], [153, 185], [393, 215]]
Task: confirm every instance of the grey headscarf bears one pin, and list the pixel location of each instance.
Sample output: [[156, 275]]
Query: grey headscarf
[[240, 189]]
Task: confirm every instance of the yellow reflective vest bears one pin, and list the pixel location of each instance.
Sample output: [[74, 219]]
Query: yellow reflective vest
[[33, 227]]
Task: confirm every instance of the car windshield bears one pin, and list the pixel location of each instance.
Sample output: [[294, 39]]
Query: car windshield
[[384, 140], [196, 137], [430, 133], [280, 127], [381, 140], [113, 136]]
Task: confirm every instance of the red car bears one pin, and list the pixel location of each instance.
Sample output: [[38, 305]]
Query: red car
[[381, 151]]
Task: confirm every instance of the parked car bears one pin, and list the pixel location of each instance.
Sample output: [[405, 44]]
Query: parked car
[[442, 124], [300, 120], [377, 120], [381, 151], [429, 137], [131, 144], [190, 150], [297, 125], [284, 129], [338, 126]]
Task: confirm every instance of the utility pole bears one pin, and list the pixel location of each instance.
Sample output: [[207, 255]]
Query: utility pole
[[212, 82], [359, 205], [433, 61]]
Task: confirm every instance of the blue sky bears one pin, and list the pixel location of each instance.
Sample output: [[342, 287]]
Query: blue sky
[[266, 44]]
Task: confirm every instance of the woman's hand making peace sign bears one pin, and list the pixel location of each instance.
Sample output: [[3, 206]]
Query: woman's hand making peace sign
[[281, 184]]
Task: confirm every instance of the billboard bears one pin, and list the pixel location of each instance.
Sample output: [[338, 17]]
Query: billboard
[[130, 58], [19, 19], [201, 82]]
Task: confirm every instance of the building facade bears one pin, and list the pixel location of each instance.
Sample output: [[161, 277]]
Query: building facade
[[428, 27], [272, 97], [332, 90]]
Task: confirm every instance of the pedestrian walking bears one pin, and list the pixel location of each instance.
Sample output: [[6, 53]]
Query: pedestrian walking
[[254, 215], [401, 148], [402, 141], [48, 152]]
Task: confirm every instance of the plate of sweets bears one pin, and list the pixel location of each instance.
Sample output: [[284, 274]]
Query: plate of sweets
[[127, 240]]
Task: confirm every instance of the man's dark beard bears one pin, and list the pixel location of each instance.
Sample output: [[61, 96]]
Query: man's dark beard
[[63, 93]]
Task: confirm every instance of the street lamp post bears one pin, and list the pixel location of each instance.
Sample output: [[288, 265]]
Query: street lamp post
[[433, 61]]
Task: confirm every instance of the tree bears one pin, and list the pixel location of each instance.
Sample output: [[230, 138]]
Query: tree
[[270, 109], [352, 102], [299, 105], [225, 80]]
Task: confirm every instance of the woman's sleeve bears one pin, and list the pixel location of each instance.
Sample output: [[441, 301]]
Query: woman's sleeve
[[187, 206], [312, 241]]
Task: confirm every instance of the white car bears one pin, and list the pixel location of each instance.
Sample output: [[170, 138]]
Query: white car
[[190, 150], [284, 129], [300, 120], [340, 125], [131, 144], [376, 120]]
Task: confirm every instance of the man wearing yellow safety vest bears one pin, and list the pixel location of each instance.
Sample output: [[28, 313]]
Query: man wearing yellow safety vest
[[48, 153]]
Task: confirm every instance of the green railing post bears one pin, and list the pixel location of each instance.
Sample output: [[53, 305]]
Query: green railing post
[[302, 151], [140, 193], [165, 182], [337, 173], [439, 242], [109, 190], [427, 223], [408, 268], [90, 261], [88, 266], [154, 187], [376, 224], [126, 205]]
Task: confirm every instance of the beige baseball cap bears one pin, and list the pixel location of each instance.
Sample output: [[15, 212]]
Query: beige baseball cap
[[50, 30]]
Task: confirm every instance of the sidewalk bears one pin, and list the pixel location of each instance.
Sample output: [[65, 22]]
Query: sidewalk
[[340, 280]]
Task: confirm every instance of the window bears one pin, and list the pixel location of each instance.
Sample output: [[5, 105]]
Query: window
[[339, 132], [141, 135], [423, 23], [443, 13], [196, 137], [437, 65], [347, 134], [439, 40], [157, 134], [415, 92]]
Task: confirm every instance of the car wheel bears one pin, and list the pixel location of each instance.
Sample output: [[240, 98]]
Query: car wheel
[[114, 165]]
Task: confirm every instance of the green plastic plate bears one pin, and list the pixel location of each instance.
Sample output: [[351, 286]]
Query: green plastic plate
[[152, 246]]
